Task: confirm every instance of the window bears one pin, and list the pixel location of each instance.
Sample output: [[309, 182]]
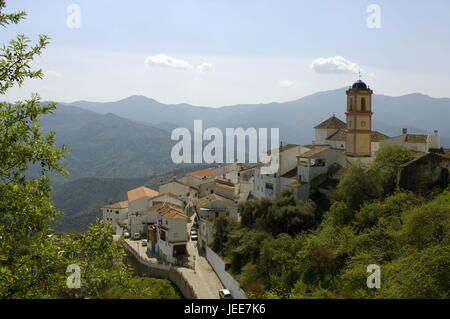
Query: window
[[117, 211], [162, 235], [351, 104], [269, 186], [217, 214], [228, 214], [167, 222], [363, 104]]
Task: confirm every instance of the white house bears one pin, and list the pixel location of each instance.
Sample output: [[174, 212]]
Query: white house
[[114, 214], [229, 171], [209, 208], [326, 129], [172, 232], [271, 185], [217, 185], [187, 193], [138, 203], [416, 142]]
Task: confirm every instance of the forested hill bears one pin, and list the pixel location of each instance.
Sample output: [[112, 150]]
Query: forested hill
[[81, 200]]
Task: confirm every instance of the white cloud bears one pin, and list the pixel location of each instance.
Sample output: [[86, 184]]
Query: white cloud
[[52, 73], [335, 64], [204, 67], [169, 62], [287, 84]]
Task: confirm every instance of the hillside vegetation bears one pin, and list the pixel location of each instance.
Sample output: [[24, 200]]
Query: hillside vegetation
[[276, 251]]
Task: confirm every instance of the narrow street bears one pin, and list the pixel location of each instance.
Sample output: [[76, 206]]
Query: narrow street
[[204, 280]]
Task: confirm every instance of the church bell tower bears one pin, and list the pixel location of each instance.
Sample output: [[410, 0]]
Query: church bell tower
[[359, 120]]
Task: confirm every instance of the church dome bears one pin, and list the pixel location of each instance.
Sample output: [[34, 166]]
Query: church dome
[[359, 85]]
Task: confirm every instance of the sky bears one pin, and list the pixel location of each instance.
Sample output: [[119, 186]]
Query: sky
[[224, 52]]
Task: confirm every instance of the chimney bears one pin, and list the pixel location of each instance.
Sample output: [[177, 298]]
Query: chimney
[[404, 130], [435, 140]]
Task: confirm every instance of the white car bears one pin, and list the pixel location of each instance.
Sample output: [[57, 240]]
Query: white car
[[194, 236], [225, 294], [144, 242], [126, 235]]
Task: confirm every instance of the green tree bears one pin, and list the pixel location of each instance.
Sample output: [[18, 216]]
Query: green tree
[[33, 261], [359, 184], [387, 160]]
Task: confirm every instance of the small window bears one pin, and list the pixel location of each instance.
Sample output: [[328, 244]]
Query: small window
[[363, 104], [228, 214], [217, 214], [117, 211]]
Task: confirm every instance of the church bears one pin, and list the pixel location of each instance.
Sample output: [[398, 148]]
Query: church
[[305, 169], [356, 135]]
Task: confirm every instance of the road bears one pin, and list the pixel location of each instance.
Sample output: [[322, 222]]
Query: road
[[203, 279]]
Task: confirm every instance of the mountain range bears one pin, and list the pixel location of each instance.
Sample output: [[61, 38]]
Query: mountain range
[[115, 146], [296, 119]]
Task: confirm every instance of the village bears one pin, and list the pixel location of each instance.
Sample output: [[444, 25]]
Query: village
[[175, 224]]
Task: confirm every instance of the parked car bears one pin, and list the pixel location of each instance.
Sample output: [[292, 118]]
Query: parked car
[[194, 235], [193, 228], [144, 242], [136, 236], [225, 294], [126, 235]]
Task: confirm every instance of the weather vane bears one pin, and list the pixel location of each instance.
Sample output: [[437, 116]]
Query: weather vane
[[359, 73]]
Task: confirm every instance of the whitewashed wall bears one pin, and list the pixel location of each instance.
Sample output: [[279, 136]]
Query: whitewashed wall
[[227, 280]]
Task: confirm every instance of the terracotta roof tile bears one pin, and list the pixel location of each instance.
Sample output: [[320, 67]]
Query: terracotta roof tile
[[341, 134], [283, 148], [332, 123], [203, 172], [212, 198], [140, 192], [119, 205], [377, 136], [316, 150], [171, 212]]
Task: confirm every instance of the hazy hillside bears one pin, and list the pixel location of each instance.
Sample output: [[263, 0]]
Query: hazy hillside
[[108, 145], [81, 200], [296, 119]]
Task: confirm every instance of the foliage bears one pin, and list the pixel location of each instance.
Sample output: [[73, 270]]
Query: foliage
[[143, 288], [285, 214], [403, 233], [33, 260]]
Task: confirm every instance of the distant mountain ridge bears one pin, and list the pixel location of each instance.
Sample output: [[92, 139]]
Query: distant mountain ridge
[[296, 119], [108, 145]]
